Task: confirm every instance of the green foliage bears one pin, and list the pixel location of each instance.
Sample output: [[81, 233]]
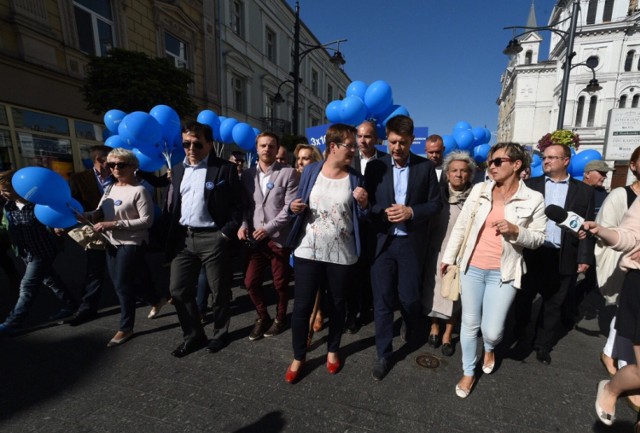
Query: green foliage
[[133, 81], [561, 137]]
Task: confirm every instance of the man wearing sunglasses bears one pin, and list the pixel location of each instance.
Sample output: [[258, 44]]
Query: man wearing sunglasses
[[553, 268], [205, 214]]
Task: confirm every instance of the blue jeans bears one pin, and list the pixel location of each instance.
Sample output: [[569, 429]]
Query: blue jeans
[[485, 303], [38, 271], [124, 264]]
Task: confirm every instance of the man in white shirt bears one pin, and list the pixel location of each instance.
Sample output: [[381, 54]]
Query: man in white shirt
[[434, 148]]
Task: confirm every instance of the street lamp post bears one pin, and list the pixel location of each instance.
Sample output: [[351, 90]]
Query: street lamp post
[[514, 47], [337, 59]]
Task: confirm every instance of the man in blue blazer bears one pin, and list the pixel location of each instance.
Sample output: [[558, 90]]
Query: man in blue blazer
[[403, 195], [206, 202]]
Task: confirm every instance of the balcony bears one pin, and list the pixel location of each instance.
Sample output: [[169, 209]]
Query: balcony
[[275, 125]]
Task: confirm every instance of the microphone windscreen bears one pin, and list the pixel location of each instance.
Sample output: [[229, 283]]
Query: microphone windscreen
[[556, 213]]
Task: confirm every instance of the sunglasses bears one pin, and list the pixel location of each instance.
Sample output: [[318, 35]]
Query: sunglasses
[[498, 161], [118, 165], [188, 144]]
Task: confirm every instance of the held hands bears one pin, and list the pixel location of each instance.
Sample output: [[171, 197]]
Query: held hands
[[398, 213], [505, 228], [297, 206], [361, 196]]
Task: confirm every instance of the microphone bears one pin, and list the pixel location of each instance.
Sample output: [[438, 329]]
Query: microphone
[[569, 221]]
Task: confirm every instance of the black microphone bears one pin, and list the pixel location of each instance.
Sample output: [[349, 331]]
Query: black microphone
[[569, 221]]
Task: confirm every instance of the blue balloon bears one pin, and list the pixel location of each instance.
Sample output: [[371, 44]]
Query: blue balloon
[[537, 171], [244, 136], [378, 97], [462, 125], [382, 132], [112, 119], [177, 156], [449, 144], [150, 161], [487, 135], [334, 111], [256, 131], [464, 138], [226, 130], [536, 160], [581, 159], [396, 110], [41, 186], [106, 134], [116, 141], [140, 128], [168, 119], [353, 110], [357, 88], [481, 152], [208, 117], [478, 135], [59, 216]]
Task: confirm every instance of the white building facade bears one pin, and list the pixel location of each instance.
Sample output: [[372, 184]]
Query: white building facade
[[257, 42], [608, 39]]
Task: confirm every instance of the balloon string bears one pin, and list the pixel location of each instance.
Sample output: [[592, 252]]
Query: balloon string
[[85, 220]]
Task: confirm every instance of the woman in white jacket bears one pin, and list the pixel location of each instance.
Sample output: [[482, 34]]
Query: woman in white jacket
[[504, 216]]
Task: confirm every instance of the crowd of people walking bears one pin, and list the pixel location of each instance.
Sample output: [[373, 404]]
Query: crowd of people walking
[[362, 234]]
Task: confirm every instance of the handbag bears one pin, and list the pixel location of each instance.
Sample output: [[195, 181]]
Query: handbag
[[450, 288]]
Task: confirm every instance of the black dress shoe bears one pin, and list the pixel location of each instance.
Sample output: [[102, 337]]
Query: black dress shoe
[[380, 369], [189, 347], [351, 325], [80, 317], [543, 356], [447, 349], [434, 340], [217, 344]]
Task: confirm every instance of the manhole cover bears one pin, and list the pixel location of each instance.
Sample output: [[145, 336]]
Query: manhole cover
[[427, 361]]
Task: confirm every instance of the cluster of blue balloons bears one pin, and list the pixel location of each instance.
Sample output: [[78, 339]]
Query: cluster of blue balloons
[[50, 192], [154, 137], [362, 102], [577, 164], [230, 130], [472, 140]]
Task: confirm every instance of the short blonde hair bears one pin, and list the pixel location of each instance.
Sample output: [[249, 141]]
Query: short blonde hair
[[124, 154], [315, 153]]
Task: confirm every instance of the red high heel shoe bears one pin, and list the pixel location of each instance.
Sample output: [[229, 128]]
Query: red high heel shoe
[[333, 367], [292, 376]]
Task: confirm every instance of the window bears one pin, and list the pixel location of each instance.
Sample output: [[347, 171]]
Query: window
[[237, 10], [629, 60], [623, 102], [175, 50], [528, 57], [608, 11], [238, 93], [94, 24], [593, 61], [591, 11], [580, 111], [270, 42], [593, 102], [329, 92], [634, 101], [314, 82]]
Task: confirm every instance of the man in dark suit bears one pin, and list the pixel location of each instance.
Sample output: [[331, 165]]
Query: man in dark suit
[[270, 187], [359, 299], [553, 268], [403, 194], [205, 214], [87, 187]]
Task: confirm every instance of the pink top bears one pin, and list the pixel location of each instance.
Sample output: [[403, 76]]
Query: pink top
[[486, 255]]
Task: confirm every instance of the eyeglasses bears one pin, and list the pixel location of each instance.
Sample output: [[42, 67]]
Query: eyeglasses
[[348, 146], [498, 161], [188, 144], [118, 165], [544, 158]]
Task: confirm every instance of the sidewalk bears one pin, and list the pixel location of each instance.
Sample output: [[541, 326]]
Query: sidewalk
[[63, 379]]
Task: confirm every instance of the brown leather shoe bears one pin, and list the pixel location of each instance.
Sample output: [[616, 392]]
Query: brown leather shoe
[[259, 329], [276, 328]]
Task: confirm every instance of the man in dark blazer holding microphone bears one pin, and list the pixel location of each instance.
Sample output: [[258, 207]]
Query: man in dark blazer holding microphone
[[206, 202], [553, 268], [403, 194]]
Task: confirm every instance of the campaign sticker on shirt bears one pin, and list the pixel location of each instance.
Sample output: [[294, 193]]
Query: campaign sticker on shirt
[[117, 202], [270, 185], [209, 185]]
